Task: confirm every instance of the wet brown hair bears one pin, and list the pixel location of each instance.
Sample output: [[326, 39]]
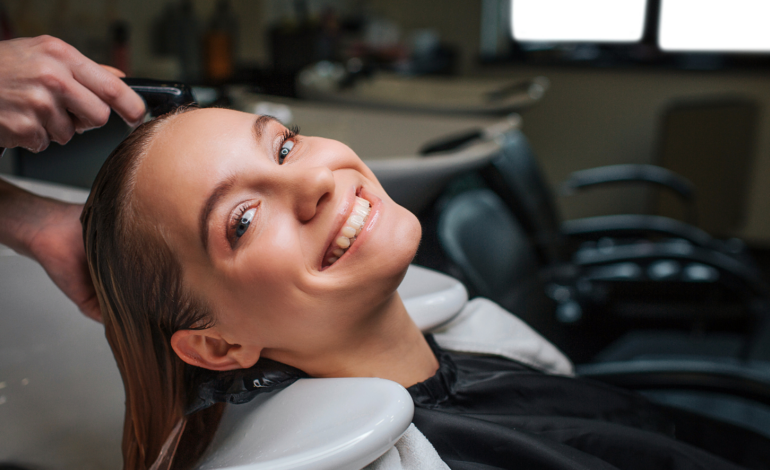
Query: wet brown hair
[[138, 281]]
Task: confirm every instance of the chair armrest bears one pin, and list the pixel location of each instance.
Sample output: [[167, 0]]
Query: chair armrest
[[604, 175], [716, 377], [626, 225]]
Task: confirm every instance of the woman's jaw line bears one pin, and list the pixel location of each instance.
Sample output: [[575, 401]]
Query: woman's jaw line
[[349, 207]]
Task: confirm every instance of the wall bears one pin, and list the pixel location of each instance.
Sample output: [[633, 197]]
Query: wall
[[456, 21]]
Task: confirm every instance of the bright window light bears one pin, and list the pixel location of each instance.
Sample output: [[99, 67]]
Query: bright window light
[[578, 20], [715, 25]]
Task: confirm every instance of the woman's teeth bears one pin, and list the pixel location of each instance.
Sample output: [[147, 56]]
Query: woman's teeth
[[350, 230]]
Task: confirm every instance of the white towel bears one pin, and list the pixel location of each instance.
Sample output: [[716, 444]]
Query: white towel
[[412, 452], [483, 327]]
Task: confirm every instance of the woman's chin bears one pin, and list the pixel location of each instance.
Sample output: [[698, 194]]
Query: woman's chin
[[414, 236], [404, 247]]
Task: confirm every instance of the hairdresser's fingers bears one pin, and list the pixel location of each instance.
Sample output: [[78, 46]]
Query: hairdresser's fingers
[[39, 87], [91, 309], [59, 126], [117, 72], [110, 89], [80, 125], [78, 285], [32, 136], [89, 303], [28, 109], [90, 112], [25, 131]]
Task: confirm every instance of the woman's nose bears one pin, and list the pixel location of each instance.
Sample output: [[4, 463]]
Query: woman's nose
[[312, 185]]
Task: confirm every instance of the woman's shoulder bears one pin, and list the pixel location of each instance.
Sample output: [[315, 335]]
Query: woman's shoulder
[[483, 327]]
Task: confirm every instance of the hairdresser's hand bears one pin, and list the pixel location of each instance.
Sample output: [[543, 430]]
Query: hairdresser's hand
[[49, 232], [58, 246], [49, 91]]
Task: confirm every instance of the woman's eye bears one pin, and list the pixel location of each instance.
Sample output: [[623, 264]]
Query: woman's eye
[[285, 151], [244, 222]]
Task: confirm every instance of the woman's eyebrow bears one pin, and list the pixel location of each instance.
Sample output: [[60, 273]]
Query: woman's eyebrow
[[260, 124], [219, 192], [224, 186]]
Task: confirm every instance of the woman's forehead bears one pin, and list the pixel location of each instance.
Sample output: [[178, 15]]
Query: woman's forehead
[[195, 144], [186, 159]]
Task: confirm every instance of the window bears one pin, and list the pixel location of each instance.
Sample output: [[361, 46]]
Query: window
[[578, 20], [679, 34], [714, 25]]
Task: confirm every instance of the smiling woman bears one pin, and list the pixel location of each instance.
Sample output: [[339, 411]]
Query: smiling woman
[[217, 239], [214, 246]]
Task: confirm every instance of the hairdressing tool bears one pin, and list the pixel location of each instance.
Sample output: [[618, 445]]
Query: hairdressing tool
[[161, 96], [241, 385]]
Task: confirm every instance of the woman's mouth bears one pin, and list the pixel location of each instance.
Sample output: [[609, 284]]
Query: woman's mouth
[[350, 230]]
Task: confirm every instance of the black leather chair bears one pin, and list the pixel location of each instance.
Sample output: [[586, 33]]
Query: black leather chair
[[722, 375], [604, 276]]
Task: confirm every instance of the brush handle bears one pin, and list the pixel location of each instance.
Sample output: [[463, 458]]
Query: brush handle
[[161, 96]]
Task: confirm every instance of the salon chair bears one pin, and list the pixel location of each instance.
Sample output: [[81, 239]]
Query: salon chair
[[724, 375], [624, 292], [598, 277]]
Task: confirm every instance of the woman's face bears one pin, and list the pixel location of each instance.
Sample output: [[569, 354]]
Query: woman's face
[[253, 213]]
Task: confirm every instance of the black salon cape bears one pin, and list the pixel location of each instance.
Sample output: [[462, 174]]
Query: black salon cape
[[485, 412]]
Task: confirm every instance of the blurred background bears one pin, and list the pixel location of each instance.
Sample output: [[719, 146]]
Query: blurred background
[[623, 95]]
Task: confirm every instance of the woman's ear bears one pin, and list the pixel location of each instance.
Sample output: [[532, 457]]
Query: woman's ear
[[207, 349]]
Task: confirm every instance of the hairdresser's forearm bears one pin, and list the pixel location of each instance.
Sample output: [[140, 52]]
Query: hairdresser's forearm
[[22, 214]]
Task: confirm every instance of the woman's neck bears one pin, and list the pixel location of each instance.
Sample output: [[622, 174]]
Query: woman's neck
[[388, 345]]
